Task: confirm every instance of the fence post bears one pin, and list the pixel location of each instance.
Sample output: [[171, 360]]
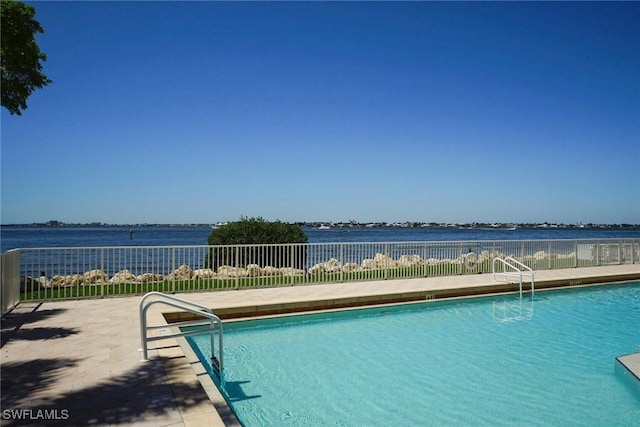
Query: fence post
[[173, 268], [425, 268], [386, 264], [237, 263], [342, 262], [619, 253], [294, 253], [101, 269]]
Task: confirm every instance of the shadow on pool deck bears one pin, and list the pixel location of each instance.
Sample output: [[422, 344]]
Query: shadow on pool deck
[[133, 397], [13, 322], [78, 360], [56, 375]]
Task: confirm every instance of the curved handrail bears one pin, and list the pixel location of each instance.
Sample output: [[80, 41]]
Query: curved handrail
[[516, 272], [215, 323], [518, 263], [173, 298]]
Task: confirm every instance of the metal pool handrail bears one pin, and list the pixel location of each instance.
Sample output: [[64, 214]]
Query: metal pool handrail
[[516, 271], [215, 325]]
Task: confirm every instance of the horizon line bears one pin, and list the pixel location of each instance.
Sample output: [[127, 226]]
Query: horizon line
[[55, 223]]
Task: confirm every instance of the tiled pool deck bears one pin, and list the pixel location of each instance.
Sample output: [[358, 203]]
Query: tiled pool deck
[[78, 361]]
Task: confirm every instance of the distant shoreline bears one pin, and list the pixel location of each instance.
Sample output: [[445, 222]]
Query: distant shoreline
[[329, 224]]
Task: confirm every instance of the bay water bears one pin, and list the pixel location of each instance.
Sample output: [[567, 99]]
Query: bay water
[[12, 237]]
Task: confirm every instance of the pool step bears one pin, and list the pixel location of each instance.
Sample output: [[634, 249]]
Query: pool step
[[632, 363]]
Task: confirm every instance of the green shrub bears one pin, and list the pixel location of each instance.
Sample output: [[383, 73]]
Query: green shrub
[[257, 231]]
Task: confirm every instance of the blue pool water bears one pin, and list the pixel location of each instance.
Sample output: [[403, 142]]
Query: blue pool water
[[479, 361]]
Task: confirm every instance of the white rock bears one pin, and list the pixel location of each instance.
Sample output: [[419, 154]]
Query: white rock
[[332, 266], [184, 272], [350, 266], [288, 271], [369, 264], [150, 277], [225, 271], [271, 271], [94, 276], [484, 257], [58, 281], [316, 269], [409, 261], [123, 276], [203, 273], [254, 270], [540, 255], [384, 261]]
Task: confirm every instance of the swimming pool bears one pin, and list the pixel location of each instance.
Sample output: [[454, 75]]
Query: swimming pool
[[478, 361]]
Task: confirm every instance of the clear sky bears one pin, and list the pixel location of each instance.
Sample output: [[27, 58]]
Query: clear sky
[[174, 112]]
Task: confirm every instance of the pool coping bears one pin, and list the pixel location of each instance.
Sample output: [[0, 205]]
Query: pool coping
[[632, 363], [81, 355], [268, 309], [363, 298]]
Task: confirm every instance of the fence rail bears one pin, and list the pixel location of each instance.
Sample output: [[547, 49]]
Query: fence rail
[[81, 272]]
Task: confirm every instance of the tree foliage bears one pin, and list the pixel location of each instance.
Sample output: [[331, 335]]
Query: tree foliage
[[20, 55], [257, 231]]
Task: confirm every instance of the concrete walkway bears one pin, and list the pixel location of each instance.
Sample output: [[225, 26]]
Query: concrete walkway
[[76, 363]]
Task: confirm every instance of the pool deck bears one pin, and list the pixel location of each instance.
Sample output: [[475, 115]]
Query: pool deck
[[78, 361]]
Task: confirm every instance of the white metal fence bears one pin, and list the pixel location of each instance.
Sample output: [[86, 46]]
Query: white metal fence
[[62, 273]]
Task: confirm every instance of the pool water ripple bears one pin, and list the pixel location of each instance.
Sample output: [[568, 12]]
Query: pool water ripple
[[484, 361]]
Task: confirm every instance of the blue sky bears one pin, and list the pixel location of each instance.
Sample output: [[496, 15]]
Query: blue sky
[[174, 112]]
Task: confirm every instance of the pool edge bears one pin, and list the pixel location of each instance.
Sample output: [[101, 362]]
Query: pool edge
[[271, 309]]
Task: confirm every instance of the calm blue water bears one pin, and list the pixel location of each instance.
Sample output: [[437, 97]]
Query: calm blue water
[[483, 361], [32, 237]]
